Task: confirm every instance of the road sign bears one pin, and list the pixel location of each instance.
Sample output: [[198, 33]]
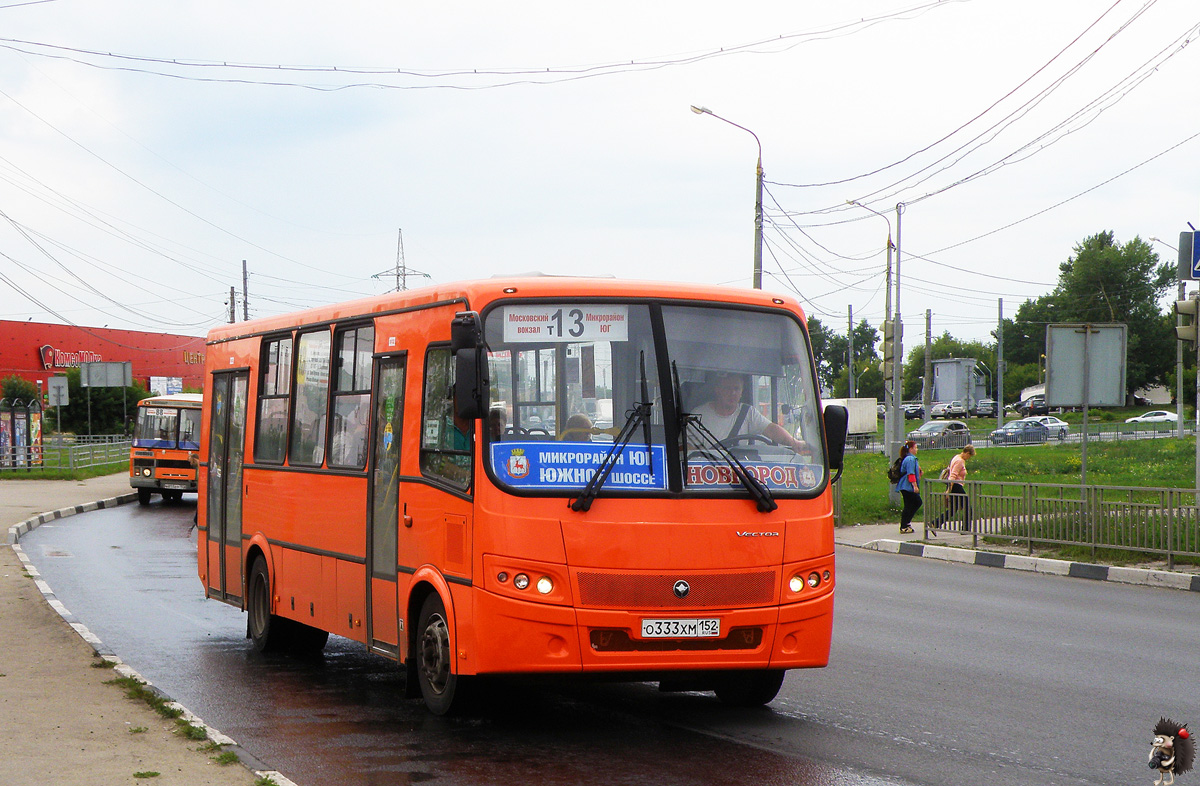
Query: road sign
[[58, 391], [1189, 255]]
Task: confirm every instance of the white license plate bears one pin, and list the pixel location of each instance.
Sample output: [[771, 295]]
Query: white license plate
[[681, 629], [175, 486]]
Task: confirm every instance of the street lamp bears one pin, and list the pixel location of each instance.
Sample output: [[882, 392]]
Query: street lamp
[[894, 422], [758, 189]]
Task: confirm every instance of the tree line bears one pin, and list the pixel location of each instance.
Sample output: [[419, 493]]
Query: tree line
[[1101, 281], [112, 409]]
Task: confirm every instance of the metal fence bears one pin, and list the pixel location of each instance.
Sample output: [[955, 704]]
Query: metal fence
[[1163, 522], [70, 453], [1096, 432]]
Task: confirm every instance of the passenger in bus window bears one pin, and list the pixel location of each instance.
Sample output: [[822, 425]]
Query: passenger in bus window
[[728, 417], [578, 429]]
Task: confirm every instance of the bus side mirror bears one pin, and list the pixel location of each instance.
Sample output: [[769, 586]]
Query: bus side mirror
[[837, 421], [470, 369], [470, 384], [466, 332]]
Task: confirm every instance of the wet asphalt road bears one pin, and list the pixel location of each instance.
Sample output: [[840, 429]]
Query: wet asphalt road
[[941, 674], [129, 574]]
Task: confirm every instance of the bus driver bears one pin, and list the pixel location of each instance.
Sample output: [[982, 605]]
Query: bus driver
[[728, 417]]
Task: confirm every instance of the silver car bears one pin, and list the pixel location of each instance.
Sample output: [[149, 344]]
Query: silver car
[[942, 434]]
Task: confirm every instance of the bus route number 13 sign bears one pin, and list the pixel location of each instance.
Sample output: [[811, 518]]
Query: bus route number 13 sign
[[566, 322]]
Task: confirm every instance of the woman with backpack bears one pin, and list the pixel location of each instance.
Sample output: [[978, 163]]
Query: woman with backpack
[[909, 485]]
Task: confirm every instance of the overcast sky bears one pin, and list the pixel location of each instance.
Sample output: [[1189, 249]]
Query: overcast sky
[[147, 148]]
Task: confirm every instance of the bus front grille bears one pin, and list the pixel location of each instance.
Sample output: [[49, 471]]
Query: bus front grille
[[676, 590], [603, 640]]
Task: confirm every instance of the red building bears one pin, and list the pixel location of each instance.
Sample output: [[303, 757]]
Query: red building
[[37, 351]]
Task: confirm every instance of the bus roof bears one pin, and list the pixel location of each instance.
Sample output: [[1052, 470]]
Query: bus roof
[[477, 293], [173, 400]]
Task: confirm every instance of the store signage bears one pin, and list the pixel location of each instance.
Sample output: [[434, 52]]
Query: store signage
[[56, 358]]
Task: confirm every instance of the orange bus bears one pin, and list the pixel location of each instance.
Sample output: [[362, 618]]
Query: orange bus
[[538, 475], [166, 439]]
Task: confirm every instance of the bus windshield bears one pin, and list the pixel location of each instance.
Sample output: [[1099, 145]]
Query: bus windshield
[[730, 392], [167, 427]]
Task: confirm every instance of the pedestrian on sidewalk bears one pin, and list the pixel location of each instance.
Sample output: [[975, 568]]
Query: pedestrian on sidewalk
[[909, 485], [956, 493]]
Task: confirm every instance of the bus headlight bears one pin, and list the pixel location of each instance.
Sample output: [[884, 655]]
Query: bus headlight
[[545, 585], [796, 584], [145, 472], [814, 579], [520, 581]]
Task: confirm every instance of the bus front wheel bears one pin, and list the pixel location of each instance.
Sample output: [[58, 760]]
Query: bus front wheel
[[265, 631], [749, 688], [143, 496], [441, 688]]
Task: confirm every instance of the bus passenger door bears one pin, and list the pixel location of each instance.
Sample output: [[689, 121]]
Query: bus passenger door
[[383, 518], [227, 442]]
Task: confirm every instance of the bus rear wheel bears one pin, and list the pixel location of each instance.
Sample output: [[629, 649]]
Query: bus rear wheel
[[266, 631], [441, 688], [749, 688]]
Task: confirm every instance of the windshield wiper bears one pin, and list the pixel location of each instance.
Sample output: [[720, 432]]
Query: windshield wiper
[[640, 414], [761, 494]]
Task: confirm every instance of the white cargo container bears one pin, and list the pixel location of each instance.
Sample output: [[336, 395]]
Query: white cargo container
[[863, 424]]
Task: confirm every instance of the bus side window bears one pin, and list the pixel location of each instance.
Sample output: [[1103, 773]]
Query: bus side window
[[274, 387], [446, 444], [351, 397], [311, 399]]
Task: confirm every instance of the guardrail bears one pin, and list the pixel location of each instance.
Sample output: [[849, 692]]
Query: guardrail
[[1097, 432], [58, 454], [1160, 521]]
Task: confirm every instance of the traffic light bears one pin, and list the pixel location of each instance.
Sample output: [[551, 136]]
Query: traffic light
[[1188, 329], [888, 349]]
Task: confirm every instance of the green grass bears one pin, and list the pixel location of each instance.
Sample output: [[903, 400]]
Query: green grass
[[66, 474], [138, 691], [1168, 463]]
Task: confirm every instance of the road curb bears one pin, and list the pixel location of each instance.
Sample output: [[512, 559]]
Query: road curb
[[16, 531], [1168, 579]]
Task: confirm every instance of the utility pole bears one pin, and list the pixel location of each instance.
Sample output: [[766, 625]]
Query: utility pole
[[245, 293], [1000, 363], [850, 346], [927, 388], [898, 366], [232, 305]]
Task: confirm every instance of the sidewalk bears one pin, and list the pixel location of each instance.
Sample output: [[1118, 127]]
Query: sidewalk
[[62, 725], [953, 546]]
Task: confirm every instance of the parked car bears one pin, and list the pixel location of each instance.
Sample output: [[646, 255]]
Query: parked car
[[942, 434], [985, 408], [880, 410], [1034, 405], [913, 411], [1020, 432], [938, 410], [1154, 416], [1056, 426], [956, 409]]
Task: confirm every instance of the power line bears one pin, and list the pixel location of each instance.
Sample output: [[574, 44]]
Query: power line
[[469, 78]]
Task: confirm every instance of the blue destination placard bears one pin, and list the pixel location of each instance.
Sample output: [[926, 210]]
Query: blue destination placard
[[570, 465]]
